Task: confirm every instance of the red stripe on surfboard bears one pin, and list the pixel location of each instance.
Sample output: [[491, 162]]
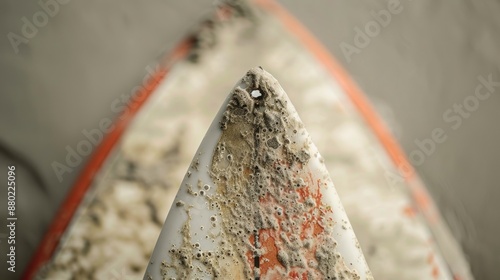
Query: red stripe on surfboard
[[340, 75], [66, 211]]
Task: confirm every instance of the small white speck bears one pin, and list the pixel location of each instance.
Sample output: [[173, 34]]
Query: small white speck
[[256, 93]]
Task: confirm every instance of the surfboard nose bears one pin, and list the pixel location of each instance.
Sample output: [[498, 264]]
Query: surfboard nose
[[257, 201]]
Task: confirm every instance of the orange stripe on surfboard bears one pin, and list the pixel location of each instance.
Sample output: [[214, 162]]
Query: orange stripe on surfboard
[[66, 211], [359, 100]]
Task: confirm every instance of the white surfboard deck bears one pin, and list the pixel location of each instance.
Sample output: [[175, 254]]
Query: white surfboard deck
[[257, 201]]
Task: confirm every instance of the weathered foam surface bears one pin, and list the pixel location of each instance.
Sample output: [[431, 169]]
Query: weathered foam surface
[[257, 201]]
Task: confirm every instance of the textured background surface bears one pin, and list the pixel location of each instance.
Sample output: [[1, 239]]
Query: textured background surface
[[428, 57]]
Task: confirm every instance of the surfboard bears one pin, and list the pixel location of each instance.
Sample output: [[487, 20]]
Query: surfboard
[[107, 226], [257, 201]]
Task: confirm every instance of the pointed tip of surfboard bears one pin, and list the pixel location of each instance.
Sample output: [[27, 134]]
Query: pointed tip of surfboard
[[257, 202]]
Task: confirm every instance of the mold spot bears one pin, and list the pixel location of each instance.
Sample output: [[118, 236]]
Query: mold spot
[[179, 203], [273, 143]]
